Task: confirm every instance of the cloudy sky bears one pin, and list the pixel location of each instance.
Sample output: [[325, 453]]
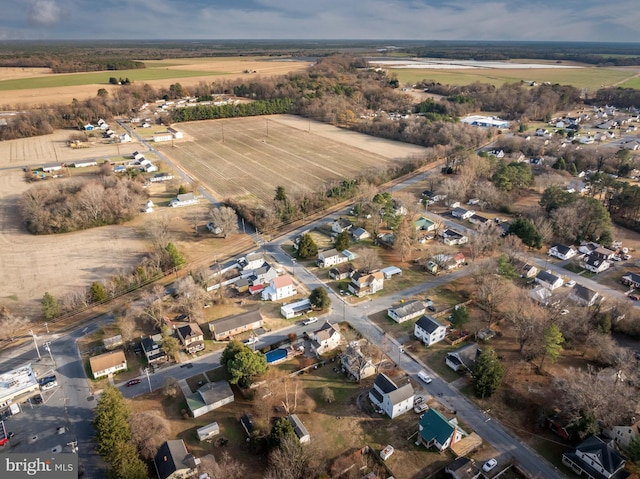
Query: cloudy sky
[[570, 20]]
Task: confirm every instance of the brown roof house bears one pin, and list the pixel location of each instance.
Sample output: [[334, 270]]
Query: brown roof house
[[108, 363], [362, 284], [325, 339], [209, 397], [191, 337], [225, 328], [357, 364]]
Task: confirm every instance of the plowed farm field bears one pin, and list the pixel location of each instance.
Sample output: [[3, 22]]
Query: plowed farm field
[[247, 158]]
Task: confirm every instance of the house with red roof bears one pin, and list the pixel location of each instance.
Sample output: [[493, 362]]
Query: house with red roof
[[279, 287]]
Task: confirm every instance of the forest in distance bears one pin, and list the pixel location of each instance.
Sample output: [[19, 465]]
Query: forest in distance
[[90, 55]]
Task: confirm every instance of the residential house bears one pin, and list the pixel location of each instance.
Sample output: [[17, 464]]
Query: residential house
[[541, 295], [594, 263], [561, 251], [463, 358], [357, 364], [175, 133], [394, 400], [478, 220], [173, 461], [51, 167], [225, 328], [597, 459], [437, 431], [263, 275], [325, 339], [588, 248], [83, 163], [331, 257], [363, 284], [298, 428], [342, 271], [462, 213], [603, 253], [432, 197], [191, 337], [185, 199], [424, 224], [585, 296], [429, 331], [251, 262], [548, 280], [209, 397], [451, 237], [406, 311], [360, 234], [623, 435], [340, 225], [292, 310], [108, 363], [631, 279], [152, 350], [279, 288], [124, 138], [463, 468]]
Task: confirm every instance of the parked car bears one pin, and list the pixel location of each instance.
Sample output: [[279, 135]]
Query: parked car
[[425, 377], [634, 297], [133, 382], [422, 407], [432, 308], [490, 464], [46, 380], [37, 399], [570, 284], [251, 340], [309, 321], [49, 385]]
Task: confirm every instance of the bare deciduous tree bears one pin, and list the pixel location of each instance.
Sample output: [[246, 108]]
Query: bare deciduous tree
[[127, 326], [191, 297], [404, 239], [368, 259], [289, 461], [170, 387], [229, 468], [148, 431], [224, 218], [10, 324], [159, 231], [150, 306]]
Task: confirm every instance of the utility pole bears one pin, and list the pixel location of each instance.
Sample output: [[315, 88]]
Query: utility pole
[[146, 370], [35, 343], [47, 346], [46, 325]]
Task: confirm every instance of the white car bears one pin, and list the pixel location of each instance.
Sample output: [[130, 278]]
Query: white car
[[490, 464], [424, 377], [50, 385], [570, 284], [422, 407], [309, 321], [251, 340]]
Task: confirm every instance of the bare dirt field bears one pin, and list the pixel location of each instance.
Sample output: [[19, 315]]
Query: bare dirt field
[[259, 154], [213, 70]]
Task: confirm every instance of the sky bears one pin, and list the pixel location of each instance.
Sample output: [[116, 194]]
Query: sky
[[527, 20]]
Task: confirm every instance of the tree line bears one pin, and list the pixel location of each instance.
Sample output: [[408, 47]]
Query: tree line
[[213, 112]]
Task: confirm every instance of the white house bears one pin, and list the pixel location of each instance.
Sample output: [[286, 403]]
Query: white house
[[561, 251], [597, 458], [330, 258], [292, 310], [623, 435], [108, 363], [462, 213], [363, 284], [390, 398], [124, 138], [406, 311], [279, 288], [451, 237], [594, 263], [548, 280], [585, 296], [463, 358], [325, 339], [209, 397], [185, 199], [340, 225], [429, 331]]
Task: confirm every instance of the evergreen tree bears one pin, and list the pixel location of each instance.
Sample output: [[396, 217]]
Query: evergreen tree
[[552, 346], [281, 194], [98, 293], [342, 240], [526, 231], [633, 450], [242, 363], [110, 422], [459, 317], [307, 247], [50, 306], [176, 259], [319, 298], [487, 374], [281, 428]]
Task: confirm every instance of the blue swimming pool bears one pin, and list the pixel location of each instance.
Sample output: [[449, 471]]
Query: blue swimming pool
[[276, 355]]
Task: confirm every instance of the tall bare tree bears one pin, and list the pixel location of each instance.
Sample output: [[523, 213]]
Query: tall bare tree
[[191, 297], [224, 218], [368, 259], [10, 324], [148, 431], [150, 306]]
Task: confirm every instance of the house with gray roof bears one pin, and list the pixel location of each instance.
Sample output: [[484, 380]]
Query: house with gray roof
[[548, 280], [406, 311], [437, 431], [561, 251], [429, 331], [225, 328], [585, 296], [597, 459], [463, 358], [462, 213], [631, 279], [325, 339], [209, 397], [330, 257], [360, 234], [394, 400], [173, 461]]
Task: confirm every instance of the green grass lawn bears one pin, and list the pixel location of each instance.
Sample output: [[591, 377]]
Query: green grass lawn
[[99, 78], [589, 77]]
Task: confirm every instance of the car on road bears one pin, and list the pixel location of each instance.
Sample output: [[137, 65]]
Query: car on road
[[309, 321], [133, 382], [634, 297], [425, 377], [251, 340], [490, 464]]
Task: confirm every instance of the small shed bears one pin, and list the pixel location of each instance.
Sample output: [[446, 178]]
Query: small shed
[[391, 271], [208, 431], [301, 432]]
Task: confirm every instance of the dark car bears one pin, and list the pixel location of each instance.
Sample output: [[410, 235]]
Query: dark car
[[46, 380], [431, 308], [133, 382], [37, 399]]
